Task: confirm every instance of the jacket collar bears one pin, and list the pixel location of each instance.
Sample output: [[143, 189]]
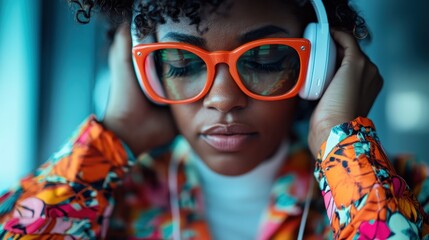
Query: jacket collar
[[287, 197]]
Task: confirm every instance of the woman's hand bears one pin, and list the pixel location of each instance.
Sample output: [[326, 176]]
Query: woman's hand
[[351, 93], [140, 124]]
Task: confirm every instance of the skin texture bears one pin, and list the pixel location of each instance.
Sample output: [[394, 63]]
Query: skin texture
[[143, 126], [129, 114], [226, 104], [352, 92]]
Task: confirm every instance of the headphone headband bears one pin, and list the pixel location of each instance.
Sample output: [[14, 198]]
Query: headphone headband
[[323, 54], [320, 10]]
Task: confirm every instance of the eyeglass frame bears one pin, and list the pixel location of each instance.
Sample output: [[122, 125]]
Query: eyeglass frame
[[301, 45]]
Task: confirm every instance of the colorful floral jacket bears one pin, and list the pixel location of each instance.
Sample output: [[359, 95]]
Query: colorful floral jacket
[[94, 188]]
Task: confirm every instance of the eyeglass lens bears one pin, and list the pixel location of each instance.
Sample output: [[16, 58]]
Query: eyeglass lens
[[266, 70]]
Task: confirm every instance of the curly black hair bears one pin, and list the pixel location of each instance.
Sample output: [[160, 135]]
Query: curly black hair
[[150, 13]]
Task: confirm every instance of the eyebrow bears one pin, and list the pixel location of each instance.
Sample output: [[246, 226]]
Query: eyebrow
[[247, 37], [185, 38], [261, 33]]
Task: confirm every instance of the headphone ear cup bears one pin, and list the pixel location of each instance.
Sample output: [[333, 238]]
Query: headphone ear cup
[[310, 33], [331, 61], [321, 63]]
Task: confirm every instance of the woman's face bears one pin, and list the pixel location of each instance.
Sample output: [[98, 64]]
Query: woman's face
[[230, 131]]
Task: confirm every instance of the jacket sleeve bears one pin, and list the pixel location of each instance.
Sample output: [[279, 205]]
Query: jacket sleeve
[[364, 196], [70, 196]]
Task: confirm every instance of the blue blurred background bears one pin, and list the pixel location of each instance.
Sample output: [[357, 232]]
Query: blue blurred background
[[53, 74]]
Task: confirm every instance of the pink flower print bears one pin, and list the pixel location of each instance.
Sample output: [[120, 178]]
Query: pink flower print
[[374, 229], [71, 210], [27, 217], [61, 226], [329, 204], [84, 137], [398, 186]]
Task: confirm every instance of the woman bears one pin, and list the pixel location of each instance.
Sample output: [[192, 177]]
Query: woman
[[221, 160]]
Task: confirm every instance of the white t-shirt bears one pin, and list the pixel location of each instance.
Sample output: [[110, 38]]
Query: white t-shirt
[[234, 204]]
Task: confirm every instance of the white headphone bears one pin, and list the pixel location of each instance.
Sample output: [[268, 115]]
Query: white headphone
[[322, 56]]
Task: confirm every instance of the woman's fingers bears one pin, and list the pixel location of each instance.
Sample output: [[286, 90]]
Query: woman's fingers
[[121, 46], [125, 93], [348, 45], [120, 61], [351, 93], [129, 114]]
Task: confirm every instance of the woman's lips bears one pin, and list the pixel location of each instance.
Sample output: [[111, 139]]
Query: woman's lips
[[228, 138]]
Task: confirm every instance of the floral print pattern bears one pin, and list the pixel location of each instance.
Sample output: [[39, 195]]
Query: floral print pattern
[[94, 188], [358, 179]]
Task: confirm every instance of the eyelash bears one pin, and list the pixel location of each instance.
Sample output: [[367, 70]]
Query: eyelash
[[184, 71], [268, 67]]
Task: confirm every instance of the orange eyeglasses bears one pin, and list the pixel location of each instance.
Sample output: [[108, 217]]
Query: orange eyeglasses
[[266, 69]]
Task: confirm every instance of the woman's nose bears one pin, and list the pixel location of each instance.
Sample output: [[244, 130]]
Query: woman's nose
[[224, 94]]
